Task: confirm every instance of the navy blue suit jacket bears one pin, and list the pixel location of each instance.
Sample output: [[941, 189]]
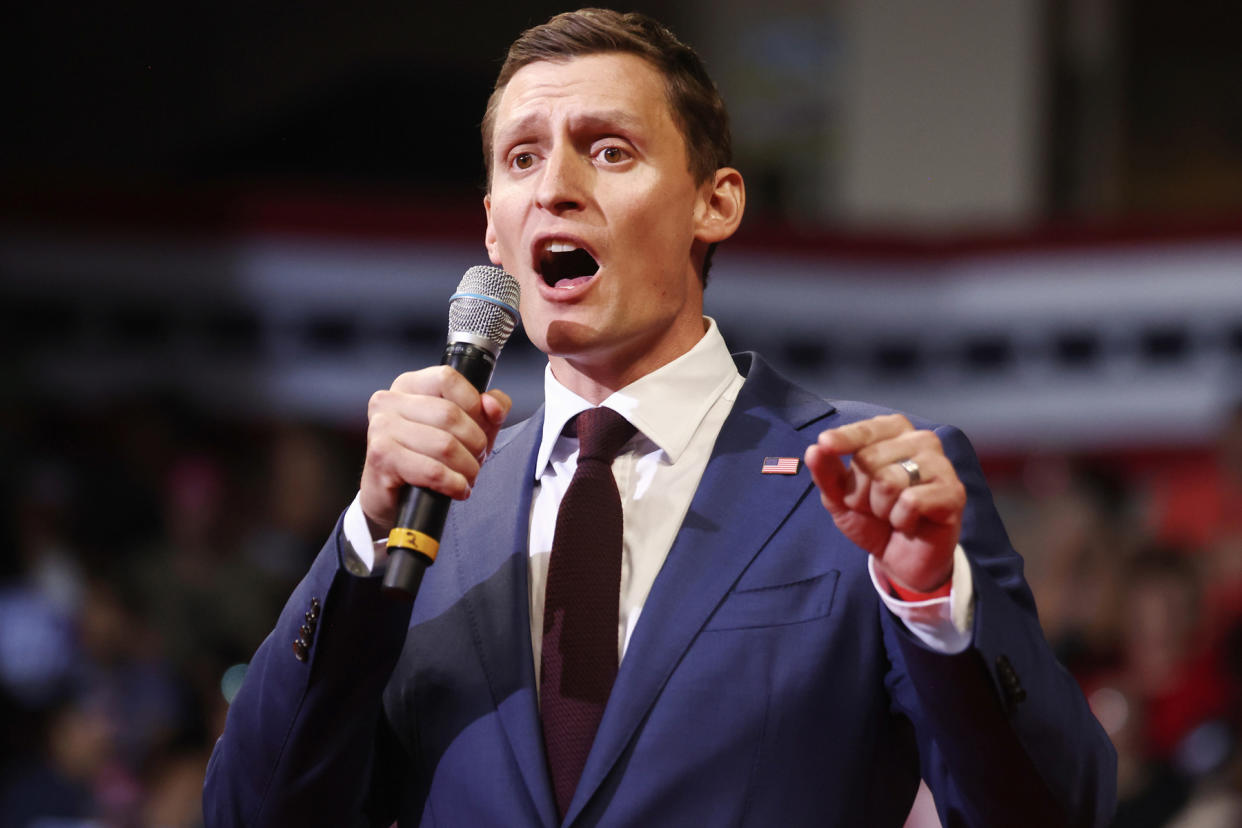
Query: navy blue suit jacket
[[765, 683]]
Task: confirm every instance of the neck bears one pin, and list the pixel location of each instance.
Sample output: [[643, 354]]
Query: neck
[[596, 378]]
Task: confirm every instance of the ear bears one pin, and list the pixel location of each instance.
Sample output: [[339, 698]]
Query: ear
[[721, 204], [489, 236]]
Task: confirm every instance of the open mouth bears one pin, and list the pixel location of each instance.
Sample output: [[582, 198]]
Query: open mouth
[[562, 264]]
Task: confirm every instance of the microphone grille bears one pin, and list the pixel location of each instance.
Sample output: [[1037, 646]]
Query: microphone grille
[[485, 305]]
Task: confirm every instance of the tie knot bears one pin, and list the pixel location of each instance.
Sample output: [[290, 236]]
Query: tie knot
[[601, 434]]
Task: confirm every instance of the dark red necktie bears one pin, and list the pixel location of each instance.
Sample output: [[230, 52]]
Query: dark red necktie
[[580, 608]]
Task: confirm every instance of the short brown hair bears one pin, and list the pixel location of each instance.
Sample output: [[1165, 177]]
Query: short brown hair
[[693, 99]]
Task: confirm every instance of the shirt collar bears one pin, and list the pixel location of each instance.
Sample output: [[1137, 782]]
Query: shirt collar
[[666, 406]]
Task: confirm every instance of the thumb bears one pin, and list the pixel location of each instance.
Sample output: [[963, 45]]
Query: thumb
[[496, 405]]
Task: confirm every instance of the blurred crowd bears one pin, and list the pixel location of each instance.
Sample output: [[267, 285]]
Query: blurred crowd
[[148, 549], [1137, 571]]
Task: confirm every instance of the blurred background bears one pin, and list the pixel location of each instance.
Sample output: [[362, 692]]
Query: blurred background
[[222, 226]]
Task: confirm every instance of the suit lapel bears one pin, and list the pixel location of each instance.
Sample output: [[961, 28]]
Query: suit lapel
[[731, 517], [499, 518]]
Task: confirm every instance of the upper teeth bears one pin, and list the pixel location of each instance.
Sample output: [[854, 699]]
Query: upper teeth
[[560, 247]]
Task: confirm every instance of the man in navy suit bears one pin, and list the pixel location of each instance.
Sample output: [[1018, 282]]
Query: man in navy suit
[[800, 638]]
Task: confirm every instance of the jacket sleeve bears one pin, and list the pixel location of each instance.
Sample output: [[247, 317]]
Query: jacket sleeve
[[1005, 735], [300, 743]]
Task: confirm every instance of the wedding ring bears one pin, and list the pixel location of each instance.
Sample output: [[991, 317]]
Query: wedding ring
[[912, 469]]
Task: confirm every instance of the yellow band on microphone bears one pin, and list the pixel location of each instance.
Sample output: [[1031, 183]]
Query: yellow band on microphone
[[415, 541]]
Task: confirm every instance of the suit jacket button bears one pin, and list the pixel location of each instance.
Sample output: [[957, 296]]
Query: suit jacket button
[[300, 649], [1015, 693], [314, 607], [307, 631]]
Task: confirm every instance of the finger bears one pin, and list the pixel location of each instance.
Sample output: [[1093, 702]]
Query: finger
[[395, 411], [440, 446], [830, 474], [848, 439], [881, 496], [931, 468], [403, 467], [858, 498], [842, 488], [940, 503], [422, 456], [390, 467], [878, 493], [873, 458], [444, 382]]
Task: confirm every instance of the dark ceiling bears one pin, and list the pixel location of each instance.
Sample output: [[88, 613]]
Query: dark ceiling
[[155, 93]]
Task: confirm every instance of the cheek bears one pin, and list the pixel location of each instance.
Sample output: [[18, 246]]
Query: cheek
[[654, 240], [506, 227], [529, 299], [535, 327], [668, 221]]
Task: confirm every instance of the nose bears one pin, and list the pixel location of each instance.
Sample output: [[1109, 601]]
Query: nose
[[562, 182]]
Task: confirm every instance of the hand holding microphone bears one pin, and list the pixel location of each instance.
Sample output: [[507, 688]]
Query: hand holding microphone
[[429, 433]]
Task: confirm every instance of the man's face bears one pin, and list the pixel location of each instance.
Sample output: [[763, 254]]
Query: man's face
[[593, 209]]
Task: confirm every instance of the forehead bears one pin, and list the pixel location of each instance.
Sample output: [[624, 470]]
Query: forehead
[[617, 85]]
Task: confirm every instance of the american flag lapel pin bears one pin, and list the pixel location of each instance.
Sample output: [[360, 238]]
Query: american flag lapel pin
[[779, 465]]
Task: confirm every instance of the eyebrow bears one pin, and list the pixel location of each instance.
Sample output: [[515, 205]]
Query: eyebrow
[[604, 120]]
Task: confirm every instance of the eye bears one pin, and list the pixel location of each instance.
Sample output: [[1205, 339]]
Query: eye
[[523, 160], [612, 155]]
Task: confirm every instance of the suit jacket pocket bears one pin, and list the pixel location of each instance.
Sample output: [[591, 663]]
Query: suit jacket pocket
[[767, 606]]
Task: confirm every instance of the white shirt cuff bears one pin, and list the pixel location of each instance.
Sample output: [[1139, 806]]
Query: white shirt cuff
[[372, 554], [943, 624]]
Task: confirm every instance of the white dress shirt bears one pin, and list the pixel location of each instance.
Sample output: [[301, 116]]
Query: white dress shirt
[[678, 411]]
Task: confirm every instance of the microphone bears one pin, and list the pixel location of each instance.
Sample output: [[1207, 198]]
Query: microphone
[[482, 315]]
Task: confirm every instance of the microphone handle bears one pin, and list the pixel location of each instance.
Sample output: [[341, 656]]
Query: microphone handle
[[415, 537]]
